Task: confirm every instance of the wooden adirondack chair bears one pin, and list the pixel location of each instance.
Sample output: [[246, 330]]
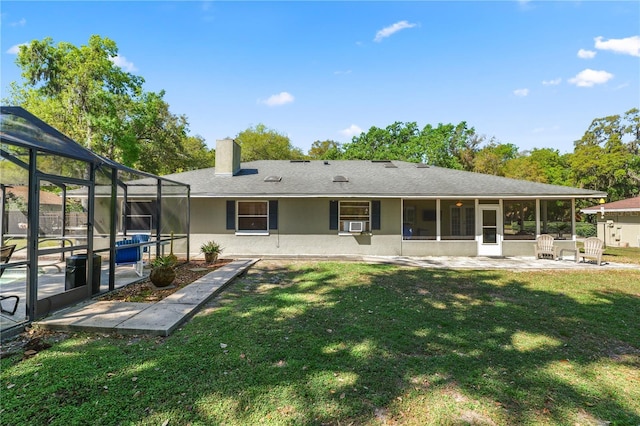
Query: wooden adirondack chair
[[593, 249], [544, 246]]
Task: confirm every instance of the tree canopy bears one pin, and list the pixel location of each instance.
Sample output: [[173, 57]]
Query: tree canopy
[[261, 143], [84, 94], [443, 145], [325, 150], [607, 157], [544, 165]]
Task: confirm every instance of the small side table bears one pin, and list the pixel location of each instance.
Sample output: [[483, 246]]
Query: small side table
[[576, 253]]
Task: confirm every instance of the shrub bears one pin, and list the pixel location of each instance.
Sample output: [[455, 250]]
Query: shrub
[[584, 229], [161, 261]]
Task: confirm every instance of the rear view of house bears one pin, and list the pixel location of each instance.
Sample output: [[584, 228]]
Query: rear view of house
[[358, 207]]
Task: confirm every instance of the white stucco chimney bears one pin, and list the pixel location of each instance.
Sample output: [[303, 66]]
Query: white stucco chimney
[[227, 157]]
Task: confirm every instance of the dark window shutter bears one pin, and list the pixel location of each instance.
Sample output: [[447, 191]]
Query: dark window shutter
[[375, 214], [333, 214], [273, 214], [231, 214]]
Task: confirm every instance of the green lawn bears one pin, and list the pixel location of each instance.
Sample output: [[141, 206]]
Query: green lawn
[[621, 254], [349, 343]]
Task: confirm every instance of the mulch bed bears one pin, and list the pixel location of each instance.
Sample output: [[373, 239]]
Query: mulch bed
[[145, 291]]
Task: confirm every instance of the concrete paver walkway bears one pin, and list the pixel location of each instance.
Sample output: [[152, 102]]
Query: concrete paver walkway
[[161, 318], [157, 319], [511, 263]]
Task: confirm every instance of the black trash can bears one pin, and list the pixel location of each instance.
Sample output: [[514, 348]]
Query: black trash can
[[76, 272]]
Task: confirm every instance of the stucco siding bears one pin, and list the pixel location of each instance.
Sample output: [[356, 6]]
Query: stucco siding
[[303, 229], [526, 248], [439, 248], [303, 217], [622, 230], [208, 216]]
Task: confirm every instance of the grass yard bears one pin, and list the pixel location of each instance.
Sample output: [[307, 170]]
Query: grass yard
[[620, 254], [348, 343]]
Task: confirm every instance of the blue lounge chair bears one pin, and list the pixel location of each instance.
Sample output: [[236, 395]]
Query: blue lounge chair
[[129, 255]]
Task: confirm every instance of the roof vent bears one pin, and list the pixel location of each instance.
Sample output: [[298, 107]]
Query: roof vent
[[380, 161], [273, 179], [339, 178], [326, 163], [390, 165], [422, 166], [299, 161]]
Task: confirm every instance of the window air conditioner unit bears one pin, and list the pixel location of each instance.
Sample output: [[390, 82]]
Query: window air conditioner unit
[[356, 226]]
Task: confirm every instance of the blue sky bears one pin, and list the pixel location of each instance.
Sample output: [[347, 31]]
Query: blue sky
[[530, 73]]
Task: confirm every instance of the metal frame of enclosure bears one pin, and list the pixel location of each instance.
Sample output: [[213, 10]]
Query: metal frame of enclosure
[[59, 201]]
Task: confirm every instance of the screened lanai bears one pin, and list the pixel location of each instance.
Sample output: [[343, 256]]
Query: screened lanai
[[73, 224]]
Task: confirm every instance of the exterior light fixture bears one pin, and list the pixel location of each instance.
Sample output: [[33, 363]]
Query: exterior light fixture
[[459, 204]]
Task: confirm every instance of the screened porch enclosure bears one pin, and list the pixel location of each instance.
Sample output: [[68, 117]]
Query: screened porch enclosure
[[65, 211]]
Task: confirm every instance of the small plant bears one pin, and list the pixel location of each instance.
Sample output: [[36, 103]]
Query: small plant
[[211, 250], [162, 272], [211, 247], [163, 261]]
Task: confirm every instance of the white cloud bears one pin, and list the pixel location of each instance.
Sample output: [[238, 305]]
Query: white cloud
[[20, 23], [122, 62], [589, 78], [392, 29], [525, 4], [553, 82], [586, 54], [13, 50], [281, 98], [545, 129], [521, 92], [351, 131], [626, 46]]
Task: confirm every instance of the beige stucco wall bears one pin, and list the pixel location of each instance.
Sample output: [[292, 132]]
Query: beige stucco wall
[[303, 229], [420, 248], [526, 247], [624, 229]]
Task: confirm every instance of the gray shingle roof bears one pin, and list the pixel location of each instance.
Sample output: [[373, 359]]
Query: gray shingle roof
[[365, 179]]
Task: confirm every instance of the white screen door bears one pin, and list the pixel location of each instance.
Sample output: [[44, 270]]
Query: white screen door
[[490, 241]]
